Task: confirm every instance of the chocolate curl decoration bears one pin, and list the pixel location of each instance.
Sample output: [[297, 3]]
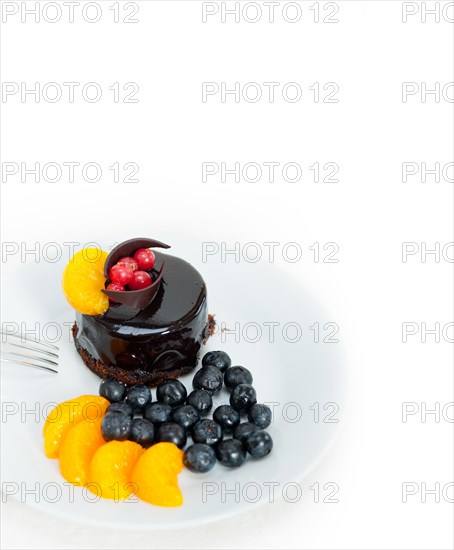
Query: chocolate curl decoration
[[138, 299]]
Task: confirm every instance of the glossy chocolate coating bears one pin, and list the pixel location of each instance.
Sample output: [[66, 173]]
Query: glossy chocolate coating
[[165, 336]]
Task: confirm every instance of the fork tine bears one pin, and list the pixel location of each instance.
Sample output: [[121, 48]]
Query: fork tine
[[22, 337], [8, 356], [28, 364], [34, 348], [34, 357]]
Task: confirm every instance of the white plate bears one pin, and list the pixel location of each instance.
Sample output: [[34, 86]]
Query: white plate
[[295, 375]]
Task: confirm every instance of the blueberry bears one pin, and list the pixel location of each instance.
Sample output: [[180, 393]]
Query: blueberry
[[116, 426], [218, 359], [200, 400], [171, 432], [142, 432], [231, 453], [243, 397], [244, 430], [258, 444], [199, 458], [112, 390], [227, 417], [138, 397], [208, 378], [260, 415], [237, 375], [122, 408], [171, 392], [207, 431], [158, 413], [186, 416]]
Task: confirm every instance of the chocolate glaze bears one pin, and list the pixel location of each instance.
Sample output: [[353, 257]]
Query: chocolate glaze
[[165, 337]]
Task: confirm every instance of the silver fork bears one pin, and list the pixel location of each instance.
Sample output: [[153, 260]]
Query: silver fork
[[41, 355]]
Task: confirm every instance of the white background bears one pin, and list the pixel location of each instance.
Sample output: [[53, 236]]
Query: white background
[[369, 214]]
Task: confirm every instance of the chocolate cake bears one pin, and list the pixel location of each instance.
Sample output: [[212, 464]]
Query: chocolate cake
[[152, 341]]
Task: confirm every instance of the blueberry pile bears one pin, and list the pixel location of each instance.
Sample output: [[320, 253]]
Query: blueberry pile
[[176, 416]]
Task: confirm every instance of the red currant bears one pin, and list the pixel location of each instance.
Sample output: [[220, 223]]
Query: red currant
[[145, 258], [121, 273], [140, 280], [115, 286], [130, 262]]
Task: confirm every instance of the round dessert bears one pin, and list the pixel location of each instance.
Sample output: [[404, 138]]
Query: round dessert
[[160, 341]]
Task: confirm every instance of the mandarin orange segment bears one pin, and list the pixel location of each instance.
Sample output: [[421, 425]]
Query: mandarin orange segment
[[155, 475], [83, 281], [66, 415], [111, 467], [77, 450]]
